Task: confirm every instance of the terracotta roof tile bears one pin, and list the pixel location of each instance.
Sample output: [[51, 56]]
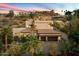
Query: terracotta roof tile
[[47, 31]]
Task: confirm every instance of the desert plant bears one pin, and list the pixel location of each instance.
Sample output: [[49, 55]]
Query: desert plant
[[65, 47], [53, 49], [14, 50], [1, 45], [6, 36], [33, 45]]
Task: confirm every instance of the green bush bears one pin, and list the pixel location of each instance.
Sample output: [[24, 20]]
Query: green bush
[[33, 45], [65, 46], [14, 50]]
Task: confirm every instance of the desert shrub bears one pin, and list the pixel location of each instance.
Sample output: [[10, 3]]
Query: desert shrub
[[53, 49], [24, 39], [14, 50], [69, 47]]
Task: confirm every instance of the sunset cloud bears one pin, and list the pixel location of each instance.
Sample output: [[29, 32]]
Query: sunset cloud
[[38, 6], [2, 5]]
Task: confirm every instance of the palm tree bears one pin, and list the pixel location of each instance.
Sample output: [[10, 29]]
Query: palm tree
[[32, 15], [33, 45], [7, 36], [11, 14]]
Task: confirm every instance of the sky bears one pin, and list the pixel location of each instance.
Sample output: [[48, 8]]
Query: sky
[[20, 6]]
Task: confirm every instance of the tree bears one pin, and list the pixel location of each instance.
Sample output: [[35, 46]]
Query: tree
[[32, 15], [68, 15], [66, 47], [6, 36], [1, 45], [33, 45], [11, 13], [76, 13], [75, 35], [73, 32], [24, 39], [22, 15], [52, 12]]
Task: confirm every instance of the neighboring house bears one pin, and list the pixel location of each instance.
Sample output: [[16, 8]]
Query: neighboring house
[[42, 29]]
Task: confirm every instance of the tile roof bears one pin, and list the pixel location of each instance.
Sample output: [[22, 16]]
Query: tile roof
[[27, 30], [42, 28], [48, 31]]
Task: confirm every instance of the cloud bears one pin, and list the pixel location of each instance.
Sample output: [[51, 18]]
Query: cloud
[[41, 6], [7, 6]]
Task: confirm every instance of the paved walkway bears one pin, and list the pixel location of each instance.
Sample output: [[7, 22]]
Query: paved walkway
[[46, 46]]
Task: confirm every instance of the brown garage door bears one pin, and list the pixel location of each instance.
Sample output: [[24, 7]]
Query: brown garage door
[[52, 38]]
